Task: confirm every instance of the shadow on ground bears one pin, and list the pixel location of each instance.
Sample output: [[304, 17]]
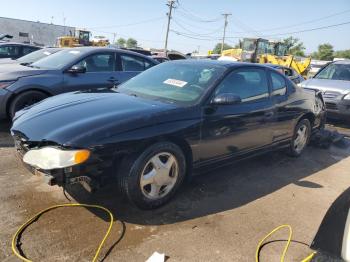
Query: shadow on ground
[[216, 191], [220, 190], [5, 137]]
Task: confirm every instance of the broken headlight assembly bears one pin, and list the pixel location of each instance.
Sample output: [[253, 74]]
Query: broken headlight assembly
[[48, 158]]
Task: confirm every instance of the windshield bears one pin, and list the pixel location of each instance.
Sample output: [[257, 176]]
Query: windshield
[[58, 60], [335, 72], [35, 56], [248, 45], [173, 82]]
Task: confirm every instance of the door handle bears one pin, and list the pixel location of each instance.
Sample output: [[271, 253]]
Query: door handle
[[113, 80], [269, 114]]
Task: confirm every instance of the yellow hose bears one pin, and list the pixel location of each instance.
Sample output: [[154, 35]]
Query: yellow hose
[[271, 233], [21, 228], [307, 259]]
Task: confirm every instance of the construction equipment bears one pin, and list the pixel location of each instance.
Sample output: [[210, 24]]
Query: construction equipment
[[259, 50], [99, 41], [81, 38], [301, 65]]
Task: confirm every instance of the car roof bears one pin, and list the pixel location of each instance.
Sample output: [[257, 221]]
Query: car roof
[[92, 49], [227, 64], [19, 44], [342, 62]]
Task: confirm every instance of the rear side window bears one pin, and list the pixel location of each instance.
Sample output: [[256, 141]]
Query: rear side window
[[9, 51], [250, 84], [27, 50], [133, 63], [279, 86]]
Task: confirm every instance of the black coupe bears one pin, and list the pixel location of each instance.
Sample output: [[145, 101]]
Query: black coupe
[[170, 121]]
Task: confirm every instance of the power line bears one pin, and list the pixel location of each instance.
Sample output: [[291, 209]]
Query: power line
[[132, 24], [298, 24], [196, 37], [194, 33], [195, 19], [236, 37], [192, 15], [308, 30]]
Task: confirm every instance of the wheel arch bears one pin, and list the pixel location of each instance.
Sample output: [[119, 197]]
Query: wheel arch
[[309, 116], [15, 94]]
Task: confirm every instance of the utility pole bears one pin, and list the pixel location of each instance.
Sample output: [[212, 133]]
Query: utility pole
[[171, 6], [223, 38]]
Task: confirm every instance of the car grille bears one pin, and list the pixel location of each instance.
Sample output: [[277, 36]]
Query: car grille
[[331, 106], [331, 94]]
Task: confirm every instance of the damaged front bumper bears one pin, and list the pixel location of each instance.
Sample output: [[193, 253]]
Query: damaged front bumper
[[91, 175]]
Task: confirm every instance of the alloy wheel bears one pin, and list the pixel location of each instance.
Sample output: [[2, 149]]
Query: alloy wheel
[[301, 138], [159, 175]]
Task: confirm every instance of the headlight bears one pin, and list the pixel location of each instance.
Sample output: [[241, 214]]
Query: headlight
[[347, 97], [50, 157], [4, 84]]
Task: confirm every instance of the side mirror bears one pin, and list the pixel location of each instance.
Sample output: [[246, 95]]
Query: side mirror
[[77, 69], [226, 99]]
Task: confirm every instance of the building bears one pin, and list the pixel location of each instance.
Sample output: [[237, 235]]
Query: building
[[36, 33]]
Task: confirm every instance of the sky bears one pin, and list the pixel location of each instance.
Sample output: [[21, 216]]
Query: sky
[[195, 24]]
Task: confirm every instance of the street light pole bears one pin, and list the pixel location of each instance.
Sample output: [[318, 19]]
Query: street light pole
[[171, 6], [225, 25]]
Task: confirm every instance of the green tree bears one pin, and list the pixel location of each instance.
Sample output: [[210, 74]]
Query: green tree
[[325, 52], [131, 43], [121, 42], [295, 46], [217, 48], [342, 54]]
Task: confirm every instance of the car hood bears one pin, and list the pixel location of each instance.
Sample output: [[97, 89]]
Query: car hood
[[8, 61], [327, 85], [15, 71], [91, 116]]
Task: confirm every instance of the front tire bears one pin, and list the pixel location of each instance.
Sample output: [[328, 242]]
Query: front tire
[[25, 99], [151, 179], [301, 138]]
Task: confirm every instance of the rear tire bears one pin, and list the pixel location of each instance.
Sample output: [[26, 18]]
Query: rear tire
[[25, 99], [152, 178], [301, 138]]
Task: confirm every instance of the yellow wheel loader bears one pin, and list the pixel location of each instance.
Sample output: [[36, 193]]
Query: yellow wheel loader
[[81, 38], [259, 50]]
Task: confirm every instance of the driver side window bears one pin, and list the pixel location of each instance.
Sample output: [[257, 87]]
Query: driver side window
[[249, 84], [99, 63]]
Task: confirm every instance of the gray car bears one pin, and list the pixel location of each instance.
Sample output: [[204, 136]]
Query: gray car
[[334, 83], [31, 57], [68, 70]]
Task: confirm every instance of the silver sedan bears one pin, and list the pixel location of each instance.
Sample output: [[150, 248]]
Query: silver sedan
[[334, 82]]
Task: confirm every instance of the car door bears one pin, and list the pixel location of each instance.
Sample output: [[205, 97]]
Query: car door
[[99, 73], [233, 129], [129, 66], [282, 117]]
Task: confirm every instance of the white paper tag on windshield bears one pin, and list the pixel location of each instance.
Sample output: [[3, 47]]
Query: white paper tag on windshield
[[47, 53], [175, 82]]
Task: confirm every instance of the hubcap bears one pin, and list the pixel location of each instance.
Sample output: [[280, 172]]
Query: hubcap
[[159, 176], [301, 138]]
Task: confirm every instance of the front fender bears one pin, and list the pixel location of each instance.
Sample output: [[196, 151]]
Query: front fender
[[137, 140]]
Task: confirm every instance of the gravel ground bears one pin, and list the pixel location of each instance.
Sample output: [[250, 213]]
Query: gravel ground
[[219, 216]]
